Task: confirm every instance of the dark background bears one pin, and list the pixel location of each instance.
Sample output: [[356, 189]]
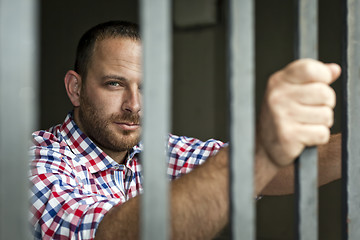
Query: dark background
[[199, 76]]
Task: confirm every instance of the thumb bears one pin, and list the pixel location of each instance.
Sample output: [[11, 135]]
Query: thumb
[[335, 70], [305, 71]]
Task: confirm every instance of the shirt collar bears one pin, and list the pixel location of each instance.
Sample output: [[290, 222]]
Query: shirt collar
[[84, 147]]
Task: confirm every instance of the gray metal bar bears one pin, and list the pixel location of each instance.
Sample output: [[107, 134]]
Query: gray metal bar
[[18, 109], [306, 166], [156, 37], [308, 29], [307, 195], [241, 76], [353, 116]]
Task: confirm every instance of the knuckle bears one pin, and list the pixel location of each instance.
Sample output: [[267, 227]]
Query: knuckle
[[325, 93], [329, 117], [324, 114], [300, 63], [307, 68], [332, 96], [274, 80], [321, 89], [274, 98], [306, 65], [304, 70], [323, 135]]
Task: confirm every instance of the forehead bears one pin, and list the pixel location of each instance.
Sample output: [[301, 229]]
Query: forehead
[[118, 51]]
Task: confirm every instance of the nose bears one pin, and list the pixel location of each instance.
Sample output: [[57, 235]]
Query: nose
[[132, 101]]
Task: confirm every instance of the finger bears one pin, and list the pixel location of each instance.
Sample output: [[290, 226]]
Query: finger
[[312, 135], [318, 115], [314, 94], [335, 70], [309, 70]]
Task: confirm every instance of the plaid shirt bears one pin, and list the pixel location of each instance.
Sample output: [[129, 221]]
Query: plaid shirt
[[74, 183]]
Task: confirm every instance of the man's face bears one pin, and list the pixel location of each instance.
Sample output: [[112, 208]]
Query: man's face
[[110, 98]]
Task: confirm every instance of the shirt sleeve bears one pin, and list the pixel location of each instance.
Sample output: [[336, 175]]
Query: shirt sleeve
[[186, 153], [61, 207]]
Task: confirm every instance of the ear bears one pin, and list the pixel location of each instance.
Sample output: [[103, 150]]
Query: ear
[[73, 86]]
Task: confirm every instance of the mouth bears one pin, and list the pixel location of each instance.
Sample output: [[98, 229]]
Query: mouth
[[128, 126]]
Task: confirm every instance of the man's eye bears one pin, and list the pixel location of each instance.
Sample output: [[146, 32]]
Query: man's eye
[[114, 84]]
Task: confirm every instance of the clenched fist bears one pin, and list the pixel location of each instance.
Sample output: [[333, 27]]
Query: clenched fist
[[297, 110]]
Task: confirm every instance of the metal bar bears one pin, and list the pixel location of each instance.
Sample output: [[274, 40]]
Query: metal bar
[[353, 118], [344, 127], [307, 195], [156, 37], [18, 109], [306, 166], [242, 78]]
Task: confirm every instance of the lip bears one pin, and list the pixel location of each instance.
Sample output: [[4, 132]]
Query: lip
[[128, 126]]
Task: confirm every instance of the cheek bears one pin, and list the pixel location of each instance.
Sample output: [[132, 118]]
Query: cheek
[[107, 103]]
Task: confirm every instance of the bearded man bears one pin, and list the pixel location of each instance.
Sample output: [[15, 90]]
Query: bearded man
[[86, 172]]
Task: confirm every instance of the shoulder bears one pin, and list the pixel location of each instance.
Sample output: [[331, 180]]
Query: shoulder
[[48, 144], [183, 144], [47, 137], [185, 153], [50, 153]]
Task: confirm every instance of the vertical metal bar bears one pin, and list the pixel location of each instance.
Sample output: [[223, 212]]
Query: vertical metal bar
[[306, 166], [241, 77], [353, 118], [18, 109], [344, 125], [156, 37]]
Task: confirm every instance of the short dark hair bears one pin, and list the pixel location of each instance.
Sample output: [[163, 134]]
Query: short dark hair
[[111, 29]]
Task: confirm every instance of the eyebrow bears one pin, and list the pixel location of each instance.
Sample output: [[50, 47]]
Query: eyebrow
[[115, 77]]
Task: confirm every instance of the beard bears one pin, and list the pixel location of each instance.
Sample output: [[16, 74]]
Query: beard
[[97, 126]]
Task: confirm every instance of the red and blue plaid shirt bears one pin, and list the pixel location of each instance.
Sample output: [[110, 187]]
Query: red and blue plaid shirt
[[74, 183]]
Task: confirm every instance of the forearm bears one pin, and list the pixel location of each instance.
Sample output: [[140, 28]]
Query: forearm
[[199, 202], [121, 222], [205, 204], [329, 167], [265, 170], [330, 160]]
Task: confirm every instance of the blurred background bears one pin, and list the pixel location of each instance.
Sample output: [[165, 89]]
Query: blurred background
[[199, 92]]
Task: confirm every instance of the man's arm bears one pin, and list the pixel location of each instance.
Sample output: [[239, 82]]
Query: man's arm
[[329, 166], [199, 200]]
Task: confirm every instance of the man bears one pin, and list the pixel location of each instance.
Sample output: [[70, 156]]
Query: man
[[86, 173]]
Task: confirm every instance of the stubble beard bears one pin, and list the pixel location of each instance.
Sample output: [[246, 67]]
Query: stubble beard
[[97, 126]]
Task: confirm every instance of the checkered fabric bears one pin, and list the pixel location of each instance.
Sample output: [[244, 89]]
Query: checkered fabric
[[74, 183]]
